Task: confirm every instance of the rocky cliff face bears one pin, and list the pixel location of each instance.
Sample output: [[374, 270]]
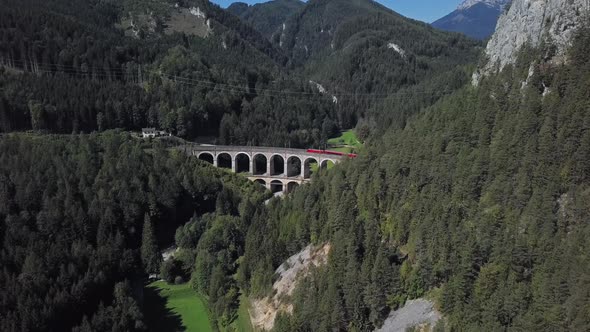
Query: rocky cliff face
[[534, 21]]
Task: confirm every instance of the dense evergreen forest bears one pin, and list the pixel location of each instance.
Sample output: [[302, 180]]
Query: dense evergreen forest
[[481, 203], [267, 17], [475, 197], [82, 220], [72, 67], [82, 74]]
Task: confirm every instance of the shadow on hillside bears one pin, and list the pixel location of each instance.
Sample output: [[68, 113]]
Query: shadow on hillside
[[157, 317]]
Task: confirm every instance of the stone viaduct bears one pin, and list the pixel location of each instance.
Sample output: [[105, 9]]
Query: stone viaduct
[[278, 169]]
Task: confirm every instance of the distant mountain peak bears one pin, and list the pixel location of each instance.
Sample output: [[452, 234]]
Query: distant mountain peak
[[475, 18], [499, 4]]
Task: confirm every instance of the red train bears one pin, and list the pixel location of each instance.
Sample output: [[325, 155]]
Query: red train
[[333, 153]]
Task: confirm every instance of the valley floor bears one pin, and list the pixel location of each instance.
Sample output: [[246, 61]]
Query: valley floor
[[175, 308]]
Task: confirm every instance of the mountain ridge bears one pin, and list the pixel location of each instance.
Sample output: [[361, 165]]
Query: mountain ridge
[[490, 3], [266, 17], [474, 18], [362, 47]]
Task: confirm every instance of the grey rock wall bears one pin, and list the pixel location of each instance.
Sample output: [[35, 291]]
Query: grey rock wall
[[533, 21]]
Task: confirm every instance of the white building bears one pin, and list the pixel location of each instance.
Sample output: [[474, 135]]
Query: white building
[[152, 132], [149, 132]]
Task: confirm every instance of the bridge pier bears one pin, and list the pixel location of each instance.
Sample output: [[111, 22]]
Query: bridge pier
[[285, 166]]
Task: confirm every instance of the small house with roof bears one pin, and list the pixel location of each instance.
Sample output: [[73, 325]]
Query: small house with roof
[[149, 132], [152, 132]]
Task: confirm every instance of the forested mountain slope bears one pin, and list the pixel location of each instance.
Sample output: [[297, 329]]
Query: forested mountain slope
[[74, 219], [481, 202], [477, 199], [71, 67], [267, 17], [362, 52], [179, 66]]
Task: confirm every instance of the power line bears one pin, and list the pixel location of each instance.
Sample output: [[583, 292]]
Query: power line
[[95, 72]]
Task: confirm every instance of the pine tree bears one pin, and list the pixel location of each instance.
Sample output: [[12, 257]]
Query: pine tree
[[150, 255], [376, 296]]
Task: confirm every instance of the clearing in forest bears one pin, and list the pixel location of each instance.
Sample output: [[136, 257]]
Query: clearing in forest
[[347, 142], [175, 308]]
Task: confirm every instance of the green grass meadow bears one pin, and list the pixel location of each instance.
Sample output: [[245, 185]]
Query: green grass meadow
[[346, 142], [242, 323], [180, 308], [175, 308]]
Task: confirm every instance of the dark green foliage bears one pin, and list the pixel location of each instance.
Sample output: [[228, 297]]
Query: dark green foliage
[[216, 261], [267, 17], [211, 248], [71, 216], [150, 254], [64, 74], [349, 46], [171, 270], [68, 68], [123, 315], [484, 195]]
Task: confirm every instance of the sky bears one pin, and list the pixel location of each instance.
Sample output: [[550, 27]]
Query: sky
[[423, 10]]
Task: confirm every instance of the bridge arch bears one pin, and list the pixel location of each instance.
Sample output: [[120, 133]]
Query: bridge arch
[[277, 165], [261, 182], [327, 164], [294, 166], [267, 163], [242, 162], [276, 186], [207, 157], [308, 167], [224, 160], [260, 164], [291, 186]]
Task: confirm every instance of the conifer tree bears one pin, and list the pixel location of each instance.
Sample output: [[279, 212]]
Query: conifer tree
[[150, 255]]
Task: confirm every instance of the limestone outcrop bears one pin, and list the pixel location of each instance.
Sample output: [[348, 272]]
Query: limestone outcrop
[[534, 21]]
